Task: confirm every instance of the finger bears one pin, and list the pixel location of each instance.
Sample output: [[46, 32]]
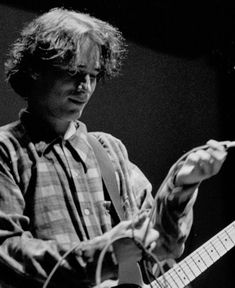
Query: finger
[[198, 162], [203, 156], [191, 163], [218, 155], [217, 161], [152, 246], [216, 145], [192, 158], [205, 163], [152, 237], [211, 160]]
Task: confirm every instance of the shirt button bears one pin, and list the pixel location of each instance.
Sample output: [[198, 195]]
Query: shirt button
[[87, 211], [75, 174]]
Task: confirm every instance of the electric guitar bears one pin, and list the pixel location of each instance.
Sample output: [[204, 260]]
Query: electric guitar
[[184, 272]]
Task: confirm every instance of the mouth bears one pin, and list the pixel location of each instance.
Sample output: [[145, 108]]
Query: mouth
[[78, 99]]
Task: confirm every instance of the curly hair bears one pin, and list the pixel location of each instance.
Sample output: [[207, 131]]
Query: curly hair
[[55, 39]]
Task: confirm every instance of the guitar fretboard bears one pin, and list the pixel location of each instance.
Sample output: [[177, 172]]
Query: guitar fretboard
[[193, 265]]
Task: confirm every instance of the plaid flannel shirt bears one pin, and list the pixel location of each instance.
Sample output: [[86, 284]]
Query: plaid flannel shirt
[[52, 197]]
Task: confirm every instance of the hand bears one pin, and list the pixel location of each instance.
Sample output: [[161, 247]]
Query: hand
[[202, 164], [126, 246]]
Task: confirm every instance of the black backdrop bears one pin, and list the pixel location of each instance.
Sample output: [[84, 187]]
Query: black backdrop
[[175, 92]]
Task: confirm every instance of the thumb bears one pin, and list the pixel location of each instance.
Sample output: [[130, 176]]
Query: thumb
[[151, 238]]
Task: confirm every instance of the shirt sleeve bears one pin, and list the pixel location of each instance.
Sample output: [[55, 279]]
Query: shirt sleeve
[[173, 213]]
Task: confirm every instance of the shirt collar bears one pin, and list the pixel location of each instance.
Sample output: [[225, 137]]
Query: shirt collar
[[75, 136], [78, 140]]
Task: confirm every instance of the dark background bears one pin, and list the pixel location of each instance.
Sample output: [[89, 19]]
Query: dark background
[[175, 92]]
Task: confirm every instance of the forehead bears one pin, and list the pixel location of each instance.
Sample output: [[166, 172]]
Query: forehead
[[89, 55]]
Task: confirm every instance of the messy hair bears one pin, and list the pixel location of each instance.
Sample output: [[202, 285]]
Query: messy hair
[[55, 39]]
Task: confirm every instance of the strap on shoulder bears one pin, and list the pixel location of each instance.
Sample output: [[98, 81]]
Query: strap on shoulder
[[108, 175]]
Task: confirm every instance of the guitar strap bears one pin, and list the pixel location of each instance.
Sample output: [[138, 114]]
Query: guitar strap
[[110, 181], [108, 175]]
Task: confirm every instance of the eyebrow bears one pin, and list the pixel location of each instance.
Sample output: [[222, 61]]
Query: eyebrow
[[97, 69]]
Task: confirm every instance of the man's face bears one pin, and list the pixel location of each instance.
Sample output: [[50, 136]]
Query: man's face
[[59, 96]]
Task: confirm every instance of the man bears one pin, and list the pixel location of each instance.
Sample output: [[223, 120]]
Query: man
[[52, 196]]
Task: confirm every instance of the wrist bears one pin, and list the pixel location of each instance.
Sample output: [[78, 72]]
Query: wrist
[[179, 181]]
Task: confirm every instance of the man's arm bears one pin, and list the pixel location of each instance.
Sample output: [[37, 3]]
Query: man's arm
[[174, 203]]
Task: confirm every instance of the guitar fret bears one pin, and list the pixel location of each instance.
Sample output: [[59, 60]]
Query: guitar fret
[[181, 275], [165, 284], [176, 277], [221, 247], [176, 284], [212, 252], [211, 261], [157, 284], [191, 271], [230, 238], [202, 253], [228, 242], [216, 248], [225, 248], [200, 262], [167, 281], [194, 266], [225, 239], [184, 274]]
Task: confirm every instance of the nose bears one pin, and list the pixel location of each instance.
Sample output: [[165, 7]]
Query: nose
[[85, 83]]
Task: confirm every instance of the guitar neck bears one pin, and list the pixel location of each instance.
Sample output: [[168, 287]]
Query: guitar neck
[[193, 265]]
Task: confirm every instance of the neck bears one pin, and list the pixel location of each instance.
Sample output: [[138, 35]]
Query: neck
[[50, 123], [57, 126]]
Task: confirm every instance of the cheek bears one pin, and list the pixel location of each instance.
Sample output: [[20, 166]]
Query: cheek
[[93, 86], [58, 93]]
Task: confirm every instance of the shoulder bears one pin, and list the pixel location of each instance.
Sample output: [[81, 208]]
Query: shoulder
[[111, 143], [10, 134], [103, 137], [8, 129], [127, 170]]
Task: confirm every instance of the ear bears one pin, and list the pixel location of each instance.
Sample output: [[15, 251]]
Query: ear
[[35, 75]]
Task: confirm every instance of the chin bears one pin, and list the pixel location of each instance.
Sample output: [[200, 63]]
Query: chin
[[75, 116]]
